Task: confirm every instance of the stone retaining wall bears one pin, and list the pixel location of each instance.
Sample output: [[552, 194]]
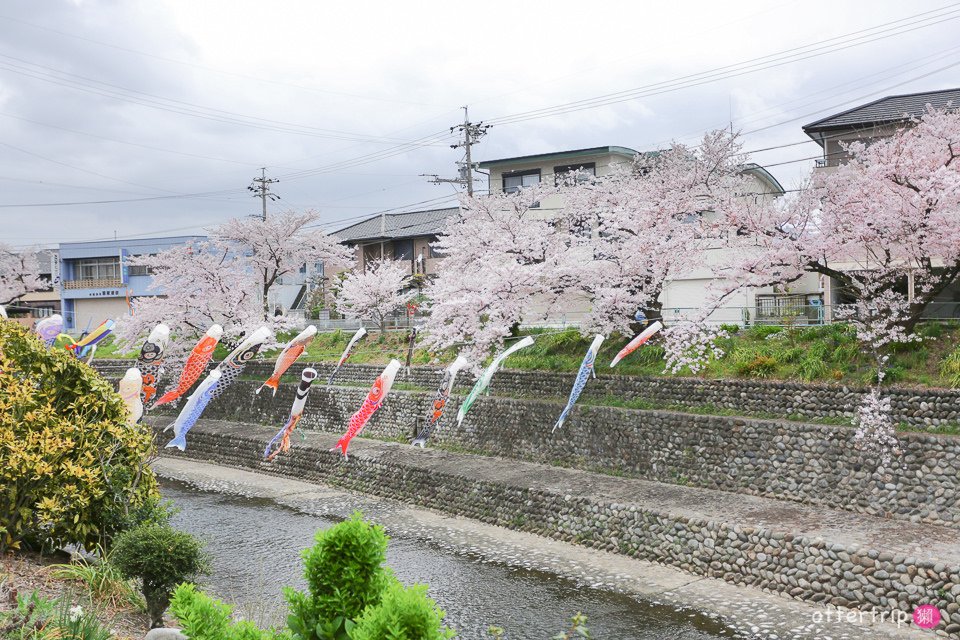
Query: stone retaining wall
[[765, 557], [807, 463], [915, 406]]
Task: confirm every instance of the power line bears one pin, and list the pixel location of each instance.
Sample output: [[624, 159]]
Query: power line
[[210, 69], [142, 98], [823, 47]]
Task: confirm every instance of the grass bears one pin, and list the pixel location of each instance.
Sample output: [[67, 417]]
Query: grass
[[104, 583], [827, 353]]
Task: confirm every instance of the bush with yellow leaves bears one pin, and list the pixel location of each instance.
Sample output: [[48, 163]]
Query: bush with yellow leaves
[[71, 469]]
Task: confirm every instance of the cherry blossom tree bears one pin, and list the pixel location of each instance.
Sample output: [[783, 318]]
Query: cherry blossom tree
[[226, 280], [279, 246], [649, 222], [888, 216], [374, 293], [19, 274], [506, 256], [201, 284]]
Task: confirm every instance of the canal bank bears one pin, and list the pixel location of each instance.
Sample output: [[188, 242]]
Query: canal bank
[[751, 611]]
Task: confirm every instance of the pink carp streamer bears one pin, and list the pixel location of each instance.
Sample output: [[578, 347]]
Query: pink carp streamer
[[288, 356], [379, 391], [637, 342], [195, 365]]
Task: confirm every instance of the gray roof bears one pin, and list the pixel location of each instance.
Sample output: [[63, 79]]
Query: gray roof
[[398, 225], [888, 109], [560, 155]]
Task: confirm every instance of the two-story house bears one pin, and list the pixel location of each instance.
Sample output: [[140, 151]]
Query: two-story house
[[97, 283], [683, 296], [404, 237], [873, 120]]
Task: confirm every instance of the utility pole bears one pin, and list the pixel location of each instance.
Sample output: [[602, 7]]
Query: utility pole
[[261, 189], [472, 132]]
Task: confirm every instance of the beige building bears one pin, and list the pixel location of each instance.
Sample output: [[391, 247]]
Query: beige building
[[878, 119], [684, 296]]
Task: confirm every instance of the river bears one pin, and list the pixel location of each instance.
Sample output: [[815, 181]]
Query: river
[[255, 546]]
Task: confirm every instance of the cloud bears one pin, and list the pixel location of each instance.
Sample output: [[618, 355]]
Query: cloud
[[134, 100]]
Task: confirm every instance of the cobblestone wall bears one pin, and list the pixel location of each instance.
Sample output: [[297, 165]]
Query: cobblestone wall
[[812, 464], [766, 557], [914, 406]]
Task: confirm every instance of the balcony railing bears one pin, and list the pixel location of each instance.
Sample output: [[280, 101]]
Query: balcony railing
[[92, 283], [820, 163]]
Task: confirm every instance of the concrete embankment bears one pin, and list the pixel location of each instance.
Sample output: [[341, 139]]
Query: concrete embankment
[[815, 554]]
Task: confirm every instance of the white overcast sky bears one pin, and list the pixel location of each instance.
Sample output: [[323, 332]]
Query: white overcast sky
[[118, 100]]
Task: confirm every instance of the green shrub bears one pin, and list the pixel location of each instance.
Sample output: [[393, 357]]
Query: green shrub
[[403, 614], [71, 467], [161, 558], [950, 368], [204, 618], [345, 574], [732, 329], [762, 331]]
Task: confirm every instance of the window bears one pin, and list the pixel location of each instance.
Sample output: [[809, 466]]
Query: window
[[98, 268], [436, 253], [585, 171], [513, 182], [402, 249], [139, 270]]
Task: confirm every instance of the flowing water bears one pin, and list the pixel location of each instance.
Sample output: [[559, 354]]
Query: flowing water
[[255, 547]]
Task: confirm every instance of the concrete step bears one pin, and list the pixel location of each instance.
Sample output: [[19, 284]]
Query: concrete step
[[811, 553]]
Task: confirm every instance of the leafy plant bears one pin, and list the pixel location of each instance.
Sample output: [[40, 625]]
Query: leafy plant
[[345, 574], [161, 558], [103, 580], [578, 629], [204, 618], [71, 467], [29, 618], [950, 368], [404, 613]]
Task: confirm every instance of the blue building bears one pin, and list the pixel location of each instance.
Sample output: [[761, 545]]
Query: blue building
[[97, 283]]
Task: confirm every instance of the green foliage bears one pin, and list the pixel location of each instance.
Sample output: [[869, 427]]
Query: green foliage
[[103, 581], [404, 613], [731, 329], [578, 629], [39, 618], [204, 618], [71, 468], [762, 331], [950, 368], [345, 574], [161, 558]]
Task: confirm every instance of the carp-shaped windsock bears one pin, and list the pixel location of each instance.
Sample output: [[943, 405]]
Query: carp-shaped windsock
[[296, 411], [346, 353], [637, 342], [234, 364], [487, 376], [130, 385], [439, 404], [193, 409], [194, 366], [49, 328], [288, 356], [378, 392], [150, 361], [586, 368]]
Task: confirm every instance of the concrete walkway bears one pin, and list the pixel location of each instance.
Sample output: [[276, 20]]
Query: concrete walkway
[[750, 611]]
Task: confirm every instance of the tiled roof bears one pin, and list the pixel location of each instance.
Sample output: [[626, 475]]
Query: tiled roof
[[888, 109], [398, 225]]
